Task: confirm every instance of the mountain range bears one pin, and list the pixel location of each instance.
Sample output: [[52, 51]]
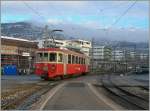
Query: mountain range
[[32, 31]]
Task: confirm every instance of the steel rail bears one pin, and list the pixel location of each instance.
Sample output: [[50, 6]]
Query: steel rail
[[129, 92], [126, 96]]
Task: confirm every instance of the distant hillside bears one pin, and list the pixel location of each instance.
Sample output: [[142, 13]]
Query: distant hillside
[[23, 30], [29, 31]]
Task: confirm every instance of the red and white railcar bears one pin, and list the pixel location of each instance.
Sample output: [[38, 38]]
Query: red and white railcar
[[56, 62]]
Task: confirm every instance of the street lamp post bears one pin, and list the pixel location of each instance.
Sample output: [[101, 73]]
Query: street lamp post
[[56, 30], [30, 58], [47, 36], [92, 57]]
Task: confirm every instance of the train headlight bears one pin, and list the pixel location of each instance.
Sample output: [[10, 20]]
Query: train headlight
[[45, 68], [37, 67]]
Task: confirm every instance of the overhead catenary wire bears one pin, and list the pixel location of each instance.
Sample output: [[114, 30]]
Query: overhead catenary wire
[[103, 9], [120, 17], [46, 33], [36, 12], [32, 9], [123, 14]]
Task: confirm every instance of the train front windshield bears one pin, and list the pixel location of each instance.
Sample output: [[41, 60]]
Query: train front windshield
[[46, 57]]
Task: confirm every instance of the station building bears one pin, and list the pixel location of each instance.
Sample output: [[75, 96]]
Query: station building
[[18, 52]]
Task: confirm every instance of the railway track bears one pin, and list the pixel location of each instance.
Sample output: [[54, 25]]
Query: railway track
[[136, 102], [35, 96], [27, 104], [142, 93], [145, 87]]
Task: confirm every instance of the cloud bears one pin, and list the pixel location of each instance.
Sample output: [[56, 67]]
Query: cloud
[[131, 34], [69, 3], [54, 21], [84, 18], [91, 24], [110, 8]]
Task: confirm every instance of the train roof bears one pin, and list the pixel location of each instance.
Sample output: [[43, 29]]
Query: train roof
[[63, 50]]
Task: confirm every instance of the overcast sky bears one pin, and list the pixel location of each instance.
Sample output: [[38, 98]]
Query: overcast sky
[[84, 15]]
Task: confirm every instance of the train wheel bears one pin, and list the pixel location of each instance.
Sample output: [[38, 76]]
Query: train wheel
[[83, 74], [62, 77], [45, 77], [70, 76]]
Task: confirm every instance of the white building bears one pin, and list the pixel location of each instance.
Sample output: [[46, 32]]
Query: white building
[[82, 45], [118, 55], [59, 43], [101, 52], [132, 54], [144, 56]]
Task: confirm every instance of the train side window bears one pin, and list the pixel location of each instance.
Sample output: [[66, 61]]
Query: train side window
[[73, 59], [39, 56], [45, 57], [84, 61], [76, 59], [60, 57], [69, 59], [79, 60], [52, 57]]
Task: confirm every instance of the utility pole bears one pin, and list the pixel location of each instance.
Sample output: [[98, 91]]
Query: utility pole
[[114, 59], [52, 37], [126, 57], [135, 58], [45, 37], [92, 58]]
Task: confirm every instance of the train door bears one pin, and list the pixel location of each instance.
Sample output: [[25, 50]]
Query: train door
[[65, 59]]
